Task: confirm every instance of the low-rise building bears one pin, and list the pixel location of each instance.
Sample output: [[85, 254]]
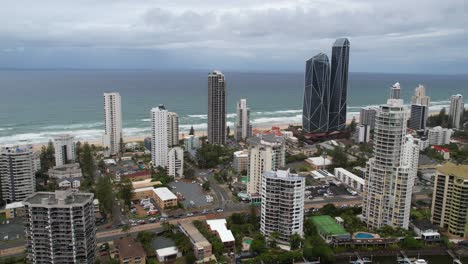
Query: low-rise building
[[66, 171], [168, 254], [426, 230], [12, 210], [69, 183], [350, 179], [163, 197], [445, 152], [225, 235], [241, 160], [130, 251], [329, 229], [319, 163], [449, 198], [439, 136], [201, 247], [136, 176]]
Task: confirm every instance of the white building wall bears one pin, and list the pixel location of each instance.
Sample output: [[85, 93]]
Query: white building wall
[[456, 110], [112, 123], [439, 136], [175, 158], [64, 146], [159, 138], [243, 126]]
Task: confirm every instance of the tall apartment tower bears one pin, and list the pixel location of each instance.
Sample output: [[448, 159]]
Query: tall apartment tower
[[420, 96], [60, 227], [159, 138], [338, 85], [216, 108], [64, 146], [367, 116], [439, 136], [449, 198], [17, 172], [456, 110], [112, 123], [315, 108], [243, 126], [173, 129], [266, 152], [391, 172], [418, 117], [175, 162], [282, 207]]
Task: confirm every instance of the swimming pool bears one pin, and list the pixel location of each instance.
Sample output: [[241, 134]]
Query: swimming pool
[[361, 235]]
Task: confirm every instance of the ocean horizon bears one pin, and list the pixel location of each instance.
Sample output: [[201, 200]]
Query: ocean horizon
[[39, 104]]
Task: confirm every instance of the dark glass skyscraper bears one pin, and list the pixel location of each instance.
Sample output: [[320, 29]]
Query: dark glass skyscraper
[[316, 94], [338, 84], [216, 108]]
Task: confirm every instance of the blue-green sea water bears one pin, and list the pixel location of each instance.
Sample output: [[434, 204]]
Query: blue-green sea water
[[37, 104]]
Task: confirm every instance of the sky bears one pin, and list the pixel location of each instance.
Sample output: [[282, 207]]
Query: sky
[[398, 36]]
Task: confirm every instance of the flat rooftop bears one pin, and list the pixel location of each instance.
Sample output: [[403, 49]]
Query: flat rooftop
[[219, 225], [195, 236], [58, 198], [327, 225], [450, 168], [165, 194]]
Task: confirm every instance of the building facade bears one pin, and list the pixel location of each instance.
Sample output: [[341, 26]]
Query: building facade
[[241, 160], [456, 110], [17, 175], [192, 142], [338, 85], [282, 207], [363, 134], [420, 98], [449, 198], [439, 136], [243, 126], [418, 117], [64, 146], [266, 153], [315, 108], [159, 136], [175, 162], [60, 227], [391, 172], [172, 129], [112, 123], [216, 108], [367, 116]]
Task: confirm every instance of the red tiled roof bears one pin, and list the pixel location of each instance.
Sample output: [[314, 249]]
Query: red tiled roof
[[440, 149]]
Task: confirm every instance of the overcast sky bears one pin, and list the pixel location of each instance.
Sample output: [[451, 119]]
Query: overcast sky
[[422, 36]]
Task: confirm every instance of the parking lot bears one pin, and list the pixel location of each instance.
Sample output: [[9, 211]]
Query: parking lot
[[191, 192], [325, 190]]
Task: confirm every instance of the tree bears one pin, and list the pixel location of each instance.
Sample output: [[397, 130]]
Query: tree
[[126, 192], [145, 238], [88, 167], [410, 242], [273, 239], [105, 195], [206, 186], [340, 158], [258, 244], [228, 131], [122, 146], [192, 131], [352, 125], [47, 157], [189, 172], [295, 241]]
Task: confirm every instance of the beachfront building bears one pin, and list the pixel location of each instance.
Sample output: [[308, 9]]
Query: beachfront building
[[216, 108], [456, 110], [367, 116], [282, 207], [439, 136], [172, 129], [60, 227], [17, 175], [418, 117], [64, 146], [175, 162], [241, 160], [338, 85], [315, 111], [243, 126], [112, 123], [159, 137], [191, 142], [449, 198], [391, 172], [420, 98], [266, 152]]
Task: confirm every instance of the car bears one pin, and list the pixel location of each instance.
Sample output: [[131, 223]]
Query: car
[[219, 210], [162, 219], [205, 211], [190, 214]]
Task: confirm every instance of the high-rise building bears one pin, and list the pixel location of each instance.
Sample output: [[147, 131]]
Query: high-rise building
[[363, 135], [191, 142], [418, 117], [282, 207], [367, 116], [456, 110], [216, 108], [266, 152], [391, 172], [64, 149], [449, 198], [173, 129], [315, 111], [159, 138], [112, 123], [338, 84], [420, 96], [243, 126], [17, 174], [175, 162], [439, 136], [60, 227]]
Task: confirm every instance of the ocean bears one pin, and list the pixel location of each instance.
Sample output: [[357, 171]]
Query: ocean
[[35, 105]]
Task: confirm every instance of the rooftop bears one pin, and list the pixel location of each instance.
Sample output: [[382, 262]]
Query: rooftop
[[129, 248], [68, 197], [454, 170], [327, 225], [319, 161], [242, 153], [165, 194], [341, 42], [195, 236], [168, 251], [219, 225], [268, 139], [283, 174]]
